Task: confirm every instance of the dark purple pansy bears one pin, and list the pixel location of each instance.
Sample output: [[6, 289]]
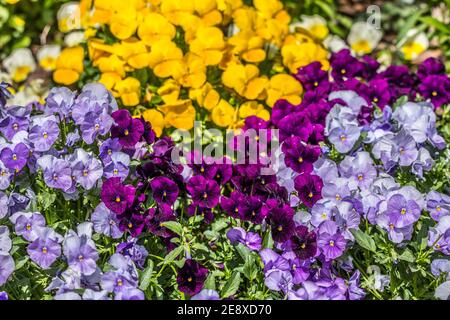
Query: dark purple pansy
[[164, 190], [204, 192], [231, 204], [300, 156], [281, 220], [312, 76], [436, 88], [127, 129], [116, 196], [191, 277], [345, 66], [309, 188], [303, 243]]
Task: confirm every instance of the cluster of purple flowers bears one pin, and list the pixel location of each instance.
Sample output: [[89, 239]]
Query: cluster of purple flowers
[[70, 145]]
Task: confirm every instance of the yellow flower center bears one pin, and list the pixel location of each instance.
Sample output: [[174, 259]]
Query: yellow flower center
[[205, 195], [310, 195], [434, 94], [331, 243], [14, 157], [360, 177], [403, 211], [85, 173], [15, 126], [343, 137], [115, 171], [438, 208], [126, 132], [280, 228], [44, 250], [45, 135], [117, 199], [189, 279], [300, 160], [375, 99], [28, 227]]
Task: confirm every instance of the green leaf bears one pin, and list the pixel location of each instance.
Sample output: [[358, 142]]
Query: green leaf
[[46, 199], [146, 275], [172, 255], [232, 285], [250, 269], [364, 240], [210, 282], [432, 22], [173, 226], [267, 241], [407, 256], [21, 262], [408, 24], [243, 251]]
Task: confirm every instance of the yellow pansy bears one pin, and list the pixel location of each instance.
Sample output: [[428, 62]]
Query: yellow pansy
[[156, 119], [253, 108], [209, 44], [207, 97], [109, 80], [248, 46], [245, 80], [155, 27], [169, 91], [298, 54], [134, 52], [11, 1], [174, 10], [207, 11], [69, 65], [166, 59], [123, 23], [283, 86], [129, 91], [180, 114], [19, 64], [111, 64], [223, 114], [194, 72]]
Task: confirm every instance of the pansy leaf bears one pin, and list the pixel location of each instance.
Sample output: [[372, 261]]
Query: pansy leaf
[[364, 240], [173, 226], [172, 255], [146, 276], [232, 285]]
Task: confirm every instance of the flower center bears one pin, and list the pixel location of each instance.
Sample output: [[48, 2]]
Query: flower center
[[403, 211], [310, 195], [205, 195], [360, 177], [316, 83], [80, 257], [434, 93], [44, 250], [438, 208], [97, 127], [14, 157], [300, 160], [85, 173], [331, 243], [112, 222], [391, 226], [130, 225], [343, 71], [280, 228], [338, 197], [294, 266], [189, 279], [117, 199], [15, 126], [28, 227], [202, 169], [126, 132], [303, 245], [45, 135], [119, 282], [343, 137], [55, 177], [401, 150], [115, 171], [375, 99]]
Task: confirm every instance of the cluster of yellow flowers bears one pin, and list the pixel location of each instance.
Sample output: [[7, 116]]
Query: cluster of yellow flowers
[[214, 60]]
